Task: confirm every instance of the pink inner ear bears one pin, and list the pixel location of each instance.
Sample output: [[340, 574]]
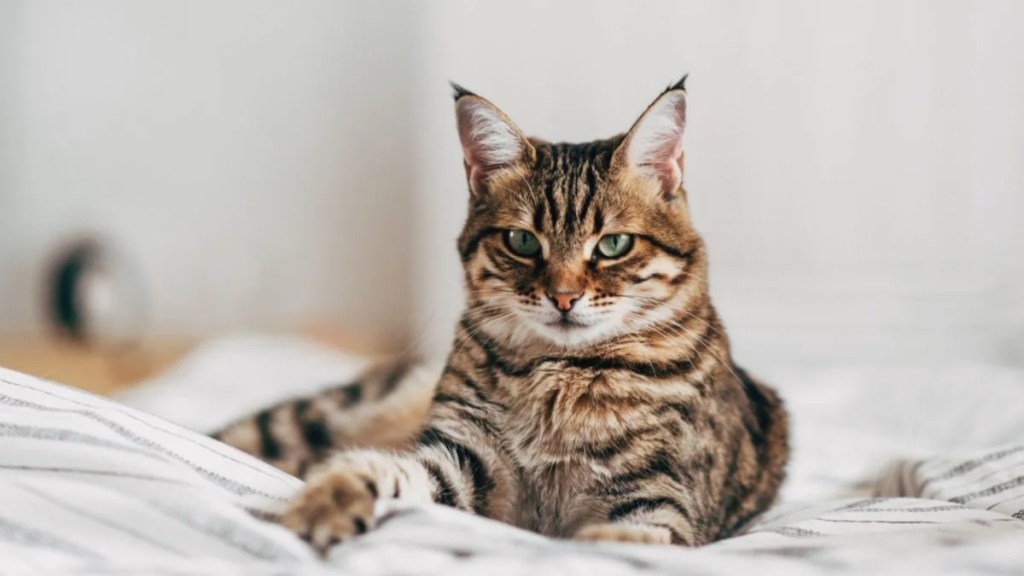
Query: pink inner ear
[[477, 178], [656, 142], [471, 149], [489, 141], [670, 171]]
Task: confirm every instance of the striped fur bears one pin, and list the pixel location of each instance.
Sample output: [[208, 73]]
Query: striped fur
[[384, 408], [622, 418]]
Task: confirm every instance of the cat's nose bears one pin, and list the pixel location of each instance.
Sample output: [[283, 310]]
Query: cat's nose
[[564, 301]]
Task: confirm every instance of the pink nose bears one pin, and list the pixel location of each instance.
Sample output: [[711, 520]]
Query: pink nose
[[564, 301]]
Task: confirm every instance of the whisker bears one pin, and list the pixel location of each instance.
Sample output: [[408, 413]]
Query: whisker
[[710, 350], [476, 329]]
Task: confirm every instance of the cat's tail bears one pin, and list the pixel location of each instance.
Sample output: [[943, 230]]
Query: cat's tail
[[383, 408]]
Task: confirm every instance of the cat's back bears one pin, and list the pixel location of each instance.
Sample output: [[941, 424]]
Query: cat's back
[[756, 478]]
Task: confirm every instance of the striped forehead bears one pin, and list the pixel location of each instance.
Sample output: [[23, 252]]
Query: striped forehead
[[567, 179]]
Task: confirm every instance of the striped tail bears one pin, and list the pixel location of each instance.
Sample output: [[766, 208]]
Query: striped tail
[[383, 408]]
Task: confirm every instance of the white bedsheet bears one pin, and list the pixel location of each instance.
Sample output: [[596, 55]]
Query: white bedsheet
[[895, 470]]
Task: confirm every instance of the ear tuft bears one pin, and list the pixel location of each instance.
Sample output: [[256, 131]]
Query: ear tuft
[[459, 91], [680, 85], [653, 147], [490, 141]]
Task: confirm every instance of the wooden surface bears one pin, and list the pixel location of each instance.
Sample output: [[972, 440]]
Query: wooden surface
[[105, 372], [92, 370]]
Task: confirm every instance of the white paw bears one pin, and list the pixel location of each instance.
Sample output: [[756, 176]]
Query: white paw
[[334, 506], [635, 533]]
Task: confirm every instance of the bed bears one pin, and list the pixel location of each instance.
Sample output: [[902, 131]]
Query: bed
[[902, 470]]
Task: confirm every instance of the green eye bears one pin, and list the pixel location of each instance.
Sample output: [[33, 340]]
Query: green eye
[[522, 243], [614, 245]]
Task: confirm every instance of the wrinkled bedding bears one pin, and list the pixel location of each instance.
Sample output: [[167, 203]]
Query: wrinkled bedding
[[900, 470]]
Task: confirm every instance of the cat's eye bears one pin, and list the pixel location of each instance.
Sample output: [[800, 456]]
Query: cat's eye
[[522, 243], [614, 245]]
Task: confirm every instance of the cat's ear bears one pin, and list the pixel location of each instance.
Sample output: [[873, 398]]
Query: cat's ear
[[491, 143], [653, 147]]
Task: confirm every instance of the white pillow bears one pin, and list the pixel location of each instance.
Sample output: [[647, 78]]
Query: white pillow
[[86, 482]]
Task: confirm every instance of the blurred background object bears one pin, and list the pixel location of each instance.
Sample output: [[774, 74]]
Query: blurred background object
[[95, 308], [857, 167], [96, 298]]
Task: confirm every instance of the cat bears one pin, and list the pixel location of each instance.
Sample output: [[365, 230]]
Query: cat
[[590, 392]]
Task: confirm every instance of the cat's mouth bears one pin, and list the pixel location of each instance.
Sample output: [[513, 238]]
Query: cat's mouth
[[566, 323], [571, 332]]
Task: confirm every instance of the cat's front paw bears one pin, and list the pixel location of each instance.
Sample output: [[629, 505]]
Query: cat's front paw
[[631, 533], [334, 505]]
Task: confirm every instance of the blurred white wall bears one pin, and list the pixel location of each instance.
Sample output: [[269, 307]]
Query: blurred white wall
[[8, 43], [251, 156], [857, 167]]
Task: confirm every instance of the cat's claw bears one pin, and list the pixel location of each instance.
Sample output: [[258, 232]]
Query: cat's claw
[[333, 507]]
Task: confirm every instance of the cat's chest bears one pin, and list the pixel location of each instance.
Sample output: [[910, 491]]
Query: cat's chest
[[558, 414], [559, 426], [548, 433]]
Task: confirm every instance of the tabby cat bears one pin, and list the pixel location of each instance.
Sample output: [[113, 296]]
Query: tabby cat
[[590, 392]]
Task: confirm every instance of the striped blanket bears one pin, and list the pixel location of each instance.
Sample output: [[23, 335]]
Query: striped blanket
[[90, 486]]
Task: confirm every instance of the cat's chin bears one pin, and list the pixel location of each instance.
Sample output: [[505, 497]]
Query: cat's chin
[[571, 335]]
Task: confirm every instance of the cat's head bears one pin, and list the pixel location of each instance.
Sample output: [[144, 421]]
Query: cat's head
[[577, 244]]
